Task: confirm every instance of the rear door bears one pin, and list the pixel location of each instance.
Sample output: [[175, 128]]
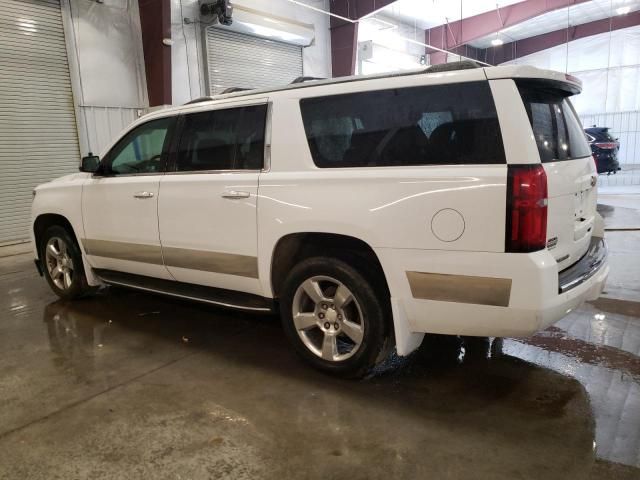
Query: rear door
[[571, 174], [207, 210]]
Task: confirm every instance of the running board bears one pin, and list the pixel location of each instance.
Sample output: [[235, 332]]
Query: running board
[[189, 291]]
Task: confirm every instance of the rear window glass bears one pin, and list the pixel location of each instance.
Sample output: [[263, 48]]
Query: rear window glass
[[556, 127], [434, 125]]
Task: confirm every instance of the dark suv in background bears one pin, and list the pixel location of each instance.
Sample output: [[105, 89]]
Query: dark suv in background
[[604, 148]]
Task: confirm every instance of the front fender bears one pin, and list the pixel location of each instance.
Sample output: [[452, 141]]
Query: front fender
[[62, 197]]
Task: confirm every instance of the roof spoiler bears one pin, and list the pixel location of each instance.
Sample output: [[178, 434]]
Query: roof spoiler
[[561, 80], [575, 81]]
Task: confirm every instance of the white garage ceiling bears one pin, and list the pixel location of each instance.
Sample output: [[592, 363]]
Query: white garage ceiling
[[424, 14], [558, 19], [430, 13]]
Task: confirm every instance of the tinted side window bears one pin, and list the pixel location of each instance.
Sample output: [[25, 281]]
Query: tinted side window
[[250, 138], [223, 139], [140, 151], [435, 125], [556, 128]]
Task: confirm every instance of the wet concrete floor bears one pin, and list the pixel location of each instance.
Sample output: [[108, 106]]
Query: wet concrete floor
[[132, 385]]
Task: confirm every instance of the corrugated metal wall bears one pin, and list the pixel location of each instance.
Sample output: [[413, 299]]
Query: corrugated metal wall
[[104, 124], [38, 134], [626, 127]]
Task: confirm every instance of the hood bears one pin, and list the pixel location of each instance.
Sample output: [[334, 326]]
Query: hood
[[66, 179]]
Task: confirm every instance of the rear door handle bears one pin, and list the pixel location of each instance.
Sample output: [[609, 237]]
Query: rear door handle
[[235, 194], [143, 194]]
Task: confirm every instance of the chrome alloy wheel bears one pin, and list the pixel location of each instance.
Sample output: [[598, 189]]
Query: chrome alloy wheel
[[59, 263], [328, 318]]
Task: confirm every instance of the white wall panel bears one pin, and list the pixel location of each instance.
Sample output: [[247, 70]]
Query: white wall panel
[[391, 51], [608, 65], [104, 44], [108, 47]]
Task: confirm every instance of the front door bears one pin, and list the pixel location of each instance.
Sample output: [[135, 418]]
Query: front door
[[207, 209], [120, 203]]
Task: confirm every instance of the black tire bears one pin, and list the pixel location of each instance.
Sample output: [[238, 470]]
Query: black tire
[[374, 306], [78, 286]]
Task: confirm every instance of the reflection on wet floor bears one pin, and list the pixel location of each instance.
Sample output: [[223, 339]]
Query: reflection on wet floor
[[620, 211], [130, 385], [233, 380], [601, 351], [620, 218], [129, 378]]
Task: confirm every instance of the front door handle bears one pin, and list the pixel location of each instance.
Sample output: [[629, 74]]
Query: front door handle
[[143, 194], [235, 194]]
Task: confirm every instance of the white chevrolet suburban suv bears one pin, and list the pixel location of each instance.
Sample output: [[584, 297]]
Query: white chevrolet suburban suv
[[369, 210]]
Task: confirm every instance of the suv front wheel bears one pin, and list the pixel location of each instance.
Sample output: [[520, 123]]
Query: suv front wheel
[[335, 318], [62, 262]]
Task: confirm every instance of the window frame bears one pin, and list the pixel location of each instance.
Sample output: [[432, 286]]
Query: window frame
[[105, 163], [172, 163]]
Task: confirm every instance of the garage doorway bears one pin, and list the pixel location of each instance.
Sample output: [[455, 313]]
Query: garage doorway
[[38, 134], [240, 60]]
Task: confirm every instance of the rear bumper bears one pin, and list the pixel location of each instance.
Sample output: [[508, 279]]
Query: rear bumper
[[564, 303], [489, 294], [585, 268]]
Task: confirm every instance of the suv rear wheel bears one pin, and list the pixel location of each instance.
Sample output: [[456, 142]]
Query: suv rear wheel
[[336, 319], [62, 262]]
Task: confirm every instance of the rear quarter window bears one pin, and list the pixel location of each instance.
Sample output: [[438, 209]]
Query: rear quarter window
[[431, 125], [555, 124]]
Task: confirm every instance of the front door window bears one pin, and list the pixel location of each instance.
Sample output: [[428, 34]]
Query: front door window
[[140, 151]]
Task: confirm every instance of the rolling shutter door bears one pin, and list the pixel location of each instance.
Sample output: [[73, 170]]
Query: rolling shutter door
[[38, 135], [239, 60]]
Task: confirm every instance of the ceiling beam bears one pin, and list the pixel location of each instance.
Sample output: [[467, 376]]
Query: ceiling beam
[[452, 35], [527, 46], [344, 33]]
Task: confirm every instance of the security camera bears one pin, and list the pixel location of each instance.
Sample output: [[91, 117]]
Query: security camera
[[223, 9]]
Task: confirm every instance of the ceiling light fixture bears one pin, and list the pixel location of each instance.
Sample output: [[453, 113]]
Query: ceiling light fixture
[[496, 42], [623, 10]]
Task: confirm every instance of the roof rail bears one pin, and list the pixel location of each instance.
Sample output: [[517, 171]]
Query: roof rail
[[234, 90], [198, 100], [300, 81], [306, 79], [451, 66]]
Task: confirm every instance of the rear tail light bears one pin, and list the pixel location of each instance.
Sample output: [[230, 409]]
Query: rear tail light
[[526, 229], [606, 145]]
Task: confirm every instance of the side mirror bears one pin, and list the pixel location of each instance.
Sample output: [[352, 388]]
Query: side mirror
[[90, 163]]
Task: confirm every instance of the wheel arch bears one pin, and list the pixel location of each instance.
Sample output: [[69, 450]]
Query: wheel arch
[[46, 220], [295, 247]]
